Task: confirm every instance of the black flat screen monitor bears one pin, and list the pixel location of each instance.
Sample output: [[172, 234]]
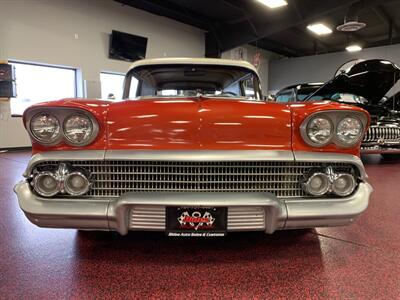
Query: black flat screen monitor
[[128, 47]]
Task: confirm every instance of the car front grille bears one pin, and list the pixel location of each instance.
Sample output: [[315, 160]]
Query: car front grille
[[114, 178], [385, 133]]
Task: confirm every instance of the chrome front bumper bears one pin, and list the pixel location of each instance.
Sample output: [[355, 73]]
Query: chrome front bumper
[[378, 149], [146, 211]]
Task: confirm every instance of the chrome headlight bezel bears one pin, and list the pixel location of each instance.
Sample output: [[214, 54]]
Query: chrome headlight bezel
[[62, 114], [336, 116], [92, 135], [342, 143], [59, 135], [38, 185], [305, 131]]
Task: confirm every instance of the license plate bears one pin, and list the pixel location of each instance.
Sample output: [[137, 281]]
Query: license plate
[[196, 221]]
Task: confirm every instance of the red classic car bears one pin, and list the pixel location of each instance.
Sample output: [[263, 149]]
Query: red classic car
[[193, 150]]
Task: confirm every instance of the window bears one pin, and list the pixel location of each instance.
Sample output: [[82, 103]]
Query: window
[[285, 96], [191, 80], [111, 85], [302, 93], [249, 87], [38, 83], [168, 92]]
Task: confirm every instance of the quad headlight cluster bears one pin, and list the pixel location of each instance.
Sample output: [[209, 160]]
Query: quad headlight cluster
[[73, 127], [344, 130], [327, 181], [61, 179]]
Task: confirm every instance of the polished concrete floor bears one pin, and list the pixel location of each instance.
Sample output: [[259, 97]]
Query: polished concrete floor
[[361, 261]]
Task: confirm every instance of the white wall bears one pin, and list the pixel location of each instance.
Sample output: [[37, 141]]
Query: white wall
[[320, 68], [45, 31], [250, 52]]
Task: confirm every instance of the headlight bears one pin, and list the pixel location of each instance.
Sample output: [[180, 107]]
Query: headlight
[[344, 185], [76, 183], [78, 130], [349, 130], [45, 128], [46, 184], [320, 130], [317, 184]]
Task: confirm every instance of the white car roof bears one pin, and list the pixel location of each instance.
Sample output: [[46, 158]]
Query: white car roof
[[195, 61]]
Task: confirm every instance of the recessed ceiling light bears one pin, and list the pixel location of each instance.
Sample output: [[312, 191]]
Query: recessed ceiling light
[[319, 29], [273, 3], [353, 48]]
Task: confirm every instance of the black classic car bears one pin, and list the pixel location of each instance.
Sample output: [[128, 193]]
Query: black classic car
[[364, 84]]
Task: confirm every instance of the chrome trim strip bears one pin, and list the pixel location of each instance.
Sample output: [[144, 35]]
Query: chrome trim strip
[[380, 144], [379, 150], [304, 156], [196, 155], [201, 155], [80, 155], [161, 155]]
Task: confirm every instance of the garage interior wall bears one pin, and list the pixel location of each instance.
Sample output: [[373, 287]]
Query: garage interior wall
[[250, 52], [321, 68], [75, 33]]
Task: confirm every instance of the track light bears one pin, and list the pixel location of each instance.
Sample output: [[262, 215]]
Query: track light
[[273, 3], [354, 48], [319, 28]]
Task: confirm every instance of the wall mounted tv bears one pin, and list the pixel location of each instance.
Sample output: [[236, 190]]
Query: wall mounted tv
[[128, 47]]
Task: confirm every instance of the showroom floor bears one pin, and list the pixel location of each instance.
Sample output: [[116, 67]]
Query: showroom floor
[[360, 261]]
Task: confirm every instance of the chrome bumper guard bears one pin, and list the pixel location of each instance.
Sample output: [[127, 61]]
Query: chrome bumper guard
[[268, 214]]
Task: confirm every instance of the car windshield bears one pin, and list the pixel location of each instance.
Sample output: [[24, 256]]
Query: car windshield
[[304, 92], [186, 80]]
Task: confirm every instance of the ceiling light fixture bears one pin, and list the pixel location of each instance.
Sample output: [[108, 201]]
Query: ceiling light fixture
[[319, 29], [273, 3], [353, 48]]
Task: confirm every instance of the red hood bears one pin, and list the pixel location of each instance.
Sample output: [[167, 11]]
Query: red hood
[[198, 123]]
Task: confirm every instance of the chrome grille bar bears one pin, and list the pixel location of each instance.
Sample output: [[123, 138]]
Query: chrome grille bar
[[386, 133], [114, 178]]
